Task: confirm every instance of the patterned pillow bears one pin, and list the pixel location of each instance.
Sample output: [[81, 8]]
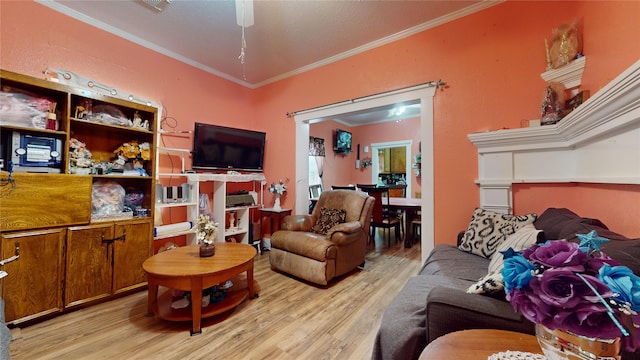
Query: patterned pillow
[[328, 219], [488, 229], [520, 240]]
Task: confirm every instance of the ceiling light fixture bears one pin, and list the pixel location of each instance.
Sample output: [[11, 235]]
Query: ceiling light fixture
[[157, 5]]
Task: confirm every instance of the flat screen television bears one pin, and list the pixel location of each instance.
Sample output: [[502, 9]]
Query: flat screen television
[[342, 143], [224, 148]]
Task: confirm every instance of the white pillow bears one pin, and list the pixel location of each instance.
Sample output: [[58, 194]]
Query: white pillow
[[488, 229], [518, 241]]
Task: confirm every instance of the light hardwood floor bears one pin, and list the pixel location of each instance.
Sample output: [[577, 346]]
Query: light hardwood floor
[[290, 319]]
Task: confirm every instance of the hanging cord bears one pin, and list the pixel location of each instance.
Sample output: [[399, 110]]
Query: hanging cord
[[243, 45]]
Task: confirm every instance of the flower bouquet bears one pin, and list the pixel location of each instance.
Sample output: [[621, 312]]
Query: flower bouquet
[[278, 188], [575, 288], [207, 230]]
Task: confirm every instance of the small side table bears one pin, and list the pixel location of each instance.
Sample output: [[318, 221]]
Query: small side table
[[274, 217], [479, 344]]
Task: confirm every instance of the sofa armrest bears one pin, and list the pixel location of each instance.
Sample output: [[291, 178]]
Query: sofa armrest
[[298, 223], [345, 233], [470, 311]]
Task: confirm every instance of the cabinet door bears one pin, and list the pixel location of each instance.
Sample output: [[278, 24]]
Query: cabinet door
[[129, 252], [398, 160], [33, 287], [89, 271]]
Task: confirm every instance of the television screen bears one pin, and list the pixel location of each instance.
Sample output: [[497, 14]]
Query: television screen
[[220, 147], [342, 142]]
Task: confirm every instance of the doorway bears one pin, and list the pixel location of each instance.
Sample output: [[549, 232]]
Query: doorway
[[421, 93], [391, 175]]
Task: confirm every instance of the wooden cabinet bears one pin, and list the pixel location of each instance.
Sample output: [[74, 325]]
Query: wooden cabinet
[[33, 287], [71, 260], [105, 259]]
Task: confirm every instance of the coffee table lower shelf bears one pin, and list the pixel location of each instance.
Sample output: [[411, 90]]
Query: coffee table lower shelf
[[235, 296]]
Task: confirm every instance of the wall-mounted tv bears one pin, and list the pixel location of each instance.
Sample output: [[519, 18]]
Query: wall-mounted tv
[[223, 148], [342, 142]]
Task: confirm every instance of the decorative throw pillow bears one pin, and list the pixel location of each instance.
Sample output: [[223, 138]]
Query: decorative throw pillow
[[520, 240], [328, 219], [488, 229]]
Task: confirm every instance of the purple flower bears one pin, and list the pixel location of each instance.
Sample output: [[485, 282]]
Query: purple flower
[[530, 305], [564, 289], [588, 319], [623, 282], [594, 263], [516, 272], [560, 254]]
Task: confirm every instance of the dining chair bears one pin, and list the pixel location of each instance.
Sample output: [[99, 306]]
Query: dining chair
[[380, 218]]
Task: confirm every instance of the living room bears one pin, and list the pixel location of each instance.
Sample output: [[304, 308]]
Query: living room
[[490, 60]]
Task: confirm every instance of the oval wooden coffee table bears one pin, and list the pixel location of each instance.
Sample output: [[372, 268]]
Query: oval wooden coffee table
[[478, 344], [184, 269]]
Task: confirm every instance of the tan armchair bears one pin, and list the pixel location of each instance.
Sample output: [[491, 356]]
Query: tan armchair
[[298, 250]]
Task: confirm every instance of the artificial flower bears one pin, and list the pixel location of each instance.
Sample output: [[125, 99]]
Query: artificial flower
[[207, 230], [575, 288], [278, 188], [134, 150]]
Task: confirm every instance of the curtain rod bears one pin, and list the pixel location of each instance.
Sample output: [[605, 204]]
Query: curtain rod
[[436, 83]]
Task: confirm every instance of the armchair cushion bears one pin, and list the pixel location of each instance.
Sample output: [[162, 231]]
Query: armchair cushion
[[328, 219]]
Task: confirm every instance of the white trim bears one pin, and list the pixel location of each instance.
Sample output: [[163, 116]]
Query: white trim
[[599, 142], [424, 94]]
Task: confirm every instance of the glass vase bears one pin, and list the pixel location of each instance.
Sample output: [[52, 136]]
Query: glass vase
[[561, 345]]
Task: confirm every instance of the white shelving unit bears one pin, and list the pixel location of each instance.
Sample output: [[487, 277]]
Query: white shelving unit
[[220, 209], [242, 214]]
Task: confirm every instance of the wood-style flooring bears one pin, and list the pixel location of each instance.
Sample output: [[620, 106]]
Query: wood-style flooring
[[290, 319]]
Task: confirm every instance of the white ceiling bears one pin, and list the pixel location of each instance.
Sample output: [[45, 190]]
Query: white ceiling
[[287, 38]]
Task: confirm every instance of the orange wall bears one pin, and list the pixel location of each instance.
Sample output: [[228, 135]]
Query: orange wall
[[491, 62]]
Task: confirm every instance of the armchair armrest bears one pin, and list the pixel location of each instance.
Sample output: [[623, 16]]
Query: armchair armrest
[[345, 233], [298, 223]]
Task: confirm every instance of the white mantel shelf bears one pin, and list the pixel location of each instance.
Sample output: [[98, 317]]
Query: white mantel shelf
[[599, 142]]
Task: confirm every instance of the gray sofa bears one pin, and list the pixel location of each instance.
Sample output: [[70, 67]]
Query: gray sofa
[[435, 301]]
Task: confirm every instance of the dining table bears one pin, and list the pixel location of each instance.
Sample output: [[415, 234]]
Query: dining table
[[410, 207]]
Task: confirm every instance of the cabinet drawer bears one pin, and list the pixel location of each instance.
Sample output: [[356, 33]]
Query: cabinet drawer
[[44, 201]]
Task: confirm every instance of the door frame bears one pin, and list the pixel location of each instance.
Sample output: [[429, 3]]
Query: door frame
[[423, 93]]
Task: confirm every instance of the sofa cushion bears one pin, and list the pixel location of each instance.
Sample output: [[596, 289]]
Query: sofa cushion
[[520, 240], [487, 229], [447, 260], [552, 220], [328, 219]]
